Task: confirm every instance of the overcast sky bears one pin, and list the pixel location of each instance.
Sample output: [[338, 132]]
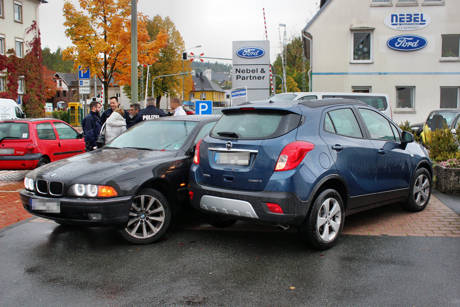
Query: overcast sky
[[214, 24]]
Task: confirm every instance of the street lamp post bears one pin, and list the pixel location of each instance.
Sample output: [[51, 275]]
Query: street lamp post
[[283, 53], [197, 46], [133, 51]]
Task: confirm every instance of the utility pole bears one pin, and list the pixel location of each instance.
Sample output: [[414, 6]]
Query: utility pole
[[133, 51], [283, 53]]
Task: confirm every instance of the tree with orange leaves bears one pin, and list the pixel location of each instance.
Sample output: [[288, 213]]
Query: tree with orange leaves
[[100, 31]]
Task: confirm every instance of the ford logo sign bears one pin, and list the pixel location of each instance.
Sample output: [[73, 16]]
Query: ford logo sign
[[406, 43], [250, 52]]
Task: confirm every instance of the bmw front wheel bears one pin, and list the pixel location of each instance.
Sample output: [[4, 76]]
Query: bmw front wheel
[[149, 217]]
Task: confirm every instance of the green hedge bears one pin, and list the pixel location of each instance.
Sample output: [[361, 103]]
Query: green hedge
[[62, 115]]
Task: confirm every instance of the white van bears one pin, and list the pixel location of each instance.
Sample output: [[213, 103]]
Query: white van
[[378, 101], [9, 109]]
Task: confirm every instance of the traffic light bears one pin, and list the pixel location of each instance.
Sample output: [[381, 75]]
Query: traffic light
[[184, 56]]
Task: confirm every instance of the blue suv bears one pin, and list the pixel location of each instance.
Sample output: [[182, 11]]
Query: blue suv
[[307, 165]]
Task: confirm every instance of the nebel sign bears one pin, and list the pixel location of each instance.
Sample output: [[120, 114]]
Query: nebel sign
[[407, 21], [251, 60]]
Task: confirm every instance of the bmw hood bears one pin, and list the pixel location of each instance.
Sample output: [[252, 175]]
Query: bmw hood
[[100, 165]]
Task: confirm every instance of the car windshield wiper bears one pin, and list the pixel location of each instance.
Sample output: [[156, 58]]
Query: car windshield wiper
[[229, 134], [111, 147], [140, 148], [8, 137]]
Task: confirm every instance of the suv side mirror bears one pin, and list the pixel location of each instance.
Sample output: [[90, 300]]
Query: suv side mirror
[[407, 137]]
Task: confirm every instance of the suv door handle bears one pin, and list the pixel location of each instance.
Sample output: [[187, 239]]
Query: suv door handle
[[337, 147], [381, 151]]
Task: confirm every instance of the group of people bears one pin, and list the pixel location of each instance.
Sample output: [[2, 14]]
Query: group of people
[[114, 121]]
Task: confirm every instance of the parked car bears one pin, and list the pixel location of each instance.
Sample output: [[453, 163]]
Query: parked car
[[135, 182], [9, 109], [308, 165], [29, 143], [379, 101], [440, 119]]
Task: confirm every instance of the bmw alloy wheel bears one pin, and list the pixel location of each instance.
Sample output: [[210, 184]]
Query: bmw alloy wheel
[[146, 217]]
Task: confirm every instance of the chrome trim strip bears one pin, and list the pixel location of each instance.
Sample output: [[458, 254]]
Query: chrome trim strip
[[228, 206], [223, 149], [380, 193]]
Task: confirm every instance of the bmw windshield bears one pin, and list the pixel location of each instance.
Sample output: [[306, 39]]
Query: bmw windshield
[[155, 135]]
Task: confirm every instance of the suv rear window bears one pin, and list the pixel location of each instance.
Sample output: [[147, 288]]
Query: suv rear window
[[378, 102], [255, 124], [14, 131]]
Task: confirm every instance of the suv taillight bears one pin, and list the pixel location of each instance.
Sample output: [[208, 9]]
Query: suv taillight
[[292, 154], [196, 157]]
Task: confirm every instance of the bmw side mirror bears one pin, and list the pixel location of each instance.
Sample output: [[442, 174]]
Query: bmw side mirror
[[407, 137], [191, 151]]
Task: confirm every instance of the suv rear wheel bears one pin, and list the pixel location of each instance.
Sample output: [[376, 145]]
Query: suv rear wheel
[[149, 217], [323, 226]]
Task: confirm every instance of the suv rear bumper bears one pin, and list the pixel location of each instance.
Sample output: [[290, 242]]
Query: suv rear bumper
[[249, 205]]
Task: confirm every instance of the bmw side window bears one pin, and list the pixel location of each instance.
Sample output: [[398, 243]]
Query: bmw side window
[[377, 125], [204, 131], [345, 123], [396, 133], [45, 132]]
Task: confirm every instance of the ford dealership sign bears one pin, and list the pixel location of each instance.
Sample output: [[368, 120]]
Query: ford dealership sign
[[250, 52], [407, 21], [406, 42]]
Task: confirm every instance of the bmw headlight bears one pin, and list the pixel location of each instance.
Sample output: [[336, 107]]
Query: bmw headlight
[[28, 183], [92, 190]]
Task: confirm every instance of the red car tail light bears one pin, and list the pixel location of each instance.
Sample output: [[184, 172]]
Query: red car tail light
[[292, 154], [274, 208], [196, 157], [190, 195]]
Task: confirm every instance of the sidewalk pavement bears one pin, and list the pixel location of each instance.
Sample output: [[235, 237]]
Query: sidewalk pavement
[[437, 220]]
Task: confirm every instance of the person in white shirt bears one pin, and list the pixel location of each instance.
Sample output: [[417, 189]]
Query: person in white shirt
[[176, 106]]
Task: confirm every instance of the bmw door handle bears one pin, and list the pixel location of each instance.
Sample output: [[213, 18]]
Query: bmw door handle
[[337, 147], [381, 151]]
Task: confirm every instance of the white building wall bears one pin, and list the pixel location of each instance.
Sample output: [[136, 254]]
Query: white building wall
[[424, 69], [11, 29]]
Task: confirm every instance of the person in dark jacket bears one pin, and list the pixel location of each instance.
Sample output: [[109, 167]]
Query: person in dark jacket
[[133, 116], [151, 112], [92, 126], [114, 104]]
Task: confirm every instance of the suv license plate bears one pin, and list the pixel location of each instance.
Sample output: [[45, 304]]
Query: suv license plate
[[6, 151], [49, 206], [235, 158]]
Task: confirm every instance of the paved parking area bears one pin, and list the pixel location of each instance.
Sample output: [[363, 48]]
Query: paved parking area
[[437, 220]]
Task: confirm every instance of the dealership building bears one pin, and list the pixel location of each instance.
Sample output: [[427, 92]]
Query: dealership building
[[407, 49]]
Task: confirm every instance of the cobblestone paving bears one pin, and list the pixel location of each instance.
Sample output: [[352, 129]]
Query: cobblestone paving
[[437, 220], [11, 210]]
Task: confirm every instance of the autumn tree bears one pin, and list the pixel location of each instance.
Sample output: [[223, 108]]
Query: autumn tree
[[169, 60], [296, 67], [49, 82], [54, 61], [100, 31]]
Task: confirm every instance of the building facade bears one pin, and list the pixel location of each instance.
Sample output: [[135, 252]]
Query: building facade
[[16, 16], [407, 49]]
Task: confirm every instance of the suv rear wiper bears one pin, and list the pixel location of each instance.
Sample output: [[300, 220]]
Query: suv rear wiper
[[229, 134]]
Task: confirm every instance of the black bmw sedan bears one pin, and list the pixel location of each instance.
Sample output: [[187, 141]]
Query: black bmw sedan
[[135, 182]]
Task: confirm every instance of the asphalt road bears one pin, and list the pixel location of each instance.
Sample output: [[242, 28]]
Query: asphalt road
[[43, 264]]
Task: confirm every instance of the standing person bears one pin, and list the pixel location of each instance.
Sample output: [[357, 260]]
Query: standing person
[[176, 106], [113, 103], [133, 115], [92, 125], [151, 112], [115, 125]]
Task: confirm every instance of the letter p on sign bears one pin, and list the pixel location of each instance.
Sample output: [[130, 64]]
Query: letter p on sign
[[203, 107]]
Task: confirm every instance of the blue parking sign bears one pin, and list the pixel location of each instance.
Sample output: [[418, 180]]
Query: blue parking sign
[[203, 107], [83, 73]]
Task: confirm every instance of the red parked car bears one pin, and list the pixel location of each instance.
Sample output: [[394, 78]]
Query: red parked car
[[29, 143]]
